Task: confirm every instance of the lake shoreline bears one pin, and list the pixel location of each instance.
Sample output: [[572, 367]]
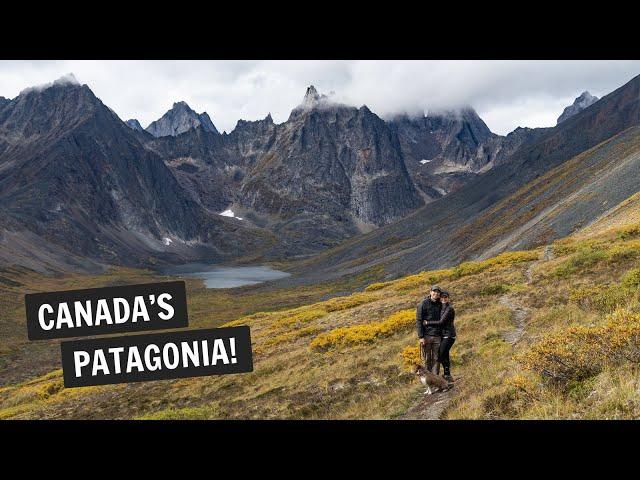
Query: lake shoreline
[[224, 276]]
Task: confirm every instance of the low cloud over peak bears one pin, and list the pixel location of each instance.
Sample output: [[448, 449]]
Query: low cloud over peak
[[506, 94]]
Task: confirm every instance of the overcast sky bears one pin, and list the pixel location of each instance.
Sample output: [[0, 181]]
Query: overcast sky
[[506, 94]]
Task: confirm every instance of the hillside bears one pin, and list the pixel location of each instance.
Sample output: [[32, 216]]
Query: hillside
[[545, 333]]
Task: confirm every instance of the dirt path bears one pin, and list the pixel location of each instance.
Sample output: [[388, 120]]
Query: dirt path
[[431, 407], [521, 312]]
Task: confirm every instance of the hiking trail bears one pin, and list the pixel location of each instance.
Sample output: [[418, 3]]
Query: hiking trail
[[432, 407], [520, 311]]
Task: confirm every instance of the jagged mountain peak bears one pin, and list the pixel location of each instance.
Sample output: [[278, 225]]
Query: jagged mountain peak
[[56, 106], [313, 99], [134, 124], [179, 119], [68, 79], [580, 103], [463, 113]]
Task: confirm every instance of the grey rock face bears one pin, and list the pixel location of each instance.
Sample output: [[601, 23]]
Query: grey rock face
[[323, 175], [180, 119], [79, 179], [134, 124], [336, 160], [445, 150], [583, 101]]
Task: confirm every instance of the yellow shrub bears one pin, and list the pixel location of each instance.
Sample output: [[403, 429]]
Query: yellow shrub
[[249, 319], [628, 232], [621, 335], [565, 246], [344, 303], [572, 354], [504, 259], [297, 316], [584, 258], [410, 356], [576, 353], [51, 388], [422, 279], [623, 253], [524, 384], [292, 335], [364, 333], [377, 286], [597, 298], [631, 279]]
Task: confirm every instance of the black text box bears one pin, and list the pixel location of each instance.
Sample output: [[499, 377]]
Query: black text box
[[157, 356], [99, 311]]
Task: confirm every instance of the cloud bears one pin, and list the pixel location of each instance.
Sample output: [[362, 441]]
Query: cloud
[[506, 94], [68, 79]]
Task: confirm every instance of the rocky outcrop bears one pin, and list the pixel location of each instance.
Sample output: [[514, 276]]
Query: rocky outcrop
[[134, 125], [583, 101], [180, 119], [445, 150], [332, 159]]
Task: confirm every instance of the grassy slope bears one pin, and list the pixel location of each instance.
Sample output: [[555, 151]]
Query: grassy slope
[[347, 357]]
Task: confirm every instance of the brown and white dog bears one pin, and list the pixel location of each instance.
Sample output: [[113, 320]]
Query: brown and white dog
[[433, 382]]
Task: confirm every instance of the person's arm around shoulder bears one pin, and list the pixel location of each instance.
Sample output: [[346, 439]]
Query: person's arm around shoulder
[[441, 321]]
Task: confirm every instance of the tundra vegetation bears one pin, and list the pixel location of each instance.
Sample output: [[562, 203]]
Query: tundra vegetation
[[319, 353]]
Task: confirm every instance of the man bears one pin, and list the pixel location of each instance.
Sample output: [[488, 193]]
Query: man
[[446, 323], [429, 310]]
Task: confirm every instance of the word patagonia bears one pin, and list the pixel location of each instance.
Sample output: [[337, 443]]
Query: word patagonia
[[98, 311], [152, 358], [156, 356]]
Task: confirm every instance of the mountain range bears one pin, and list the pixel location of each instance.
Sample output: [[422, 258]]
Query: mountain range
[[80, 188], [555, 183]]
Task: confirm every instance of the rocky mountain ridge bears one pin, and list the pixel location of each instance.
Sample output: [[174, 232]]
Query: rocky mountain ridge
[[583, 101], [329, 172], [76, 181], [179, 119]]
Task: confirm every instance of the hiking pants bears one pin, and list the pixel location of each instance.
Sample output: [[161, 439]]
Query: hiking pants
[[430, 351], [443, 353]]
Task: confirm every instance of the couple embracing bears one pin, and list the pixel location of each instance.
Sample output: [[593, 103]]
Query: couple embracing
[[434, 322]]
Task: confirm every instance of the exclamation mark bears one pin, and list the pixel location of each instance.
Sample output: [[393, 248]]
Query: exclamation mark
[[232, 344]]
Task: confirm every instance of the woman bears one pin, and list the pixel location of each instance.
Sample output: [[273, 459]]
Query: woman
[[447, 317]]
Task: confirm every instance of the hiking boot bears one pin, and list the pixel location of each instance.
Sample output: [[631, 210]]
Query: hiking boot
[[448, 377]]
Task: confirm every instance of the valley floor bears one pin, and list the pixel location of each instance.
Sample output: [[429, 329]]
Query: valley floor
[[547, 333]]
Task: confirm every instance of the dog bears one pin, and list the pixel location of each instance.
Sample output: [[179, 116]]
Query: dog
[[433, 382]]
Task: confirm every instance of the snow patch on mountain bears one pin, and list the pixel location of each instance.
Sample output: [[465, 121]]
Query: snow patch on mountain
[[229, 213]]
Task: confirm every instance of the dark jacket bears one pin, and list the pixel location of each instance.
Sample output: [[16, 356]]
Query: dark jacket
[[447, 318], [428, 311]]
